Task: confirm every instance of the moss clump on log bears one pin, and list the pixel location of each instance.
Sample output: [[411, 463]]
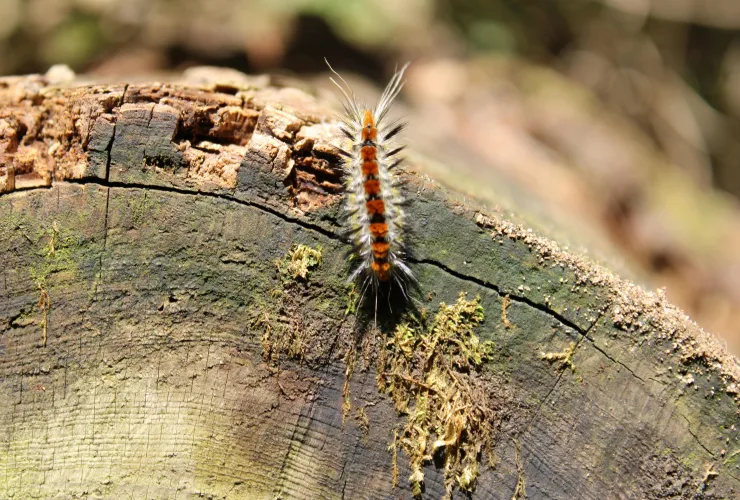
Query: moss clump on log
[[429, 370], [298, 262]]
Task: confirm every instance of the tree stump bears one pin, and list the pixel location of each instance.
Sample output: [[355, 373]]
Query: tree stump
[[175, 322]]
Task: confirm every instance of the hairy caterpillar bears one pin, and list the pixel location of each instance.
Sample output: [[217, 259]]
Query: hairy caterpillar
[[373, 202]]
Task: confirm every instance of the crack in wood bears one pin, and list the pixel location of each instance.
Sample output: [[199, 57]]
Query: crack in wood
[[109, 147], [552, 389], [560, 375], [105, 243], [688, 427], [613, 360], [517, 298], [331, 235]]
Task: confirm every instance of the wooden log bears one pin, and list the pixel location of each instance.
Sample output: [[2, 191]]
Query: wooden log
[[175, 322]]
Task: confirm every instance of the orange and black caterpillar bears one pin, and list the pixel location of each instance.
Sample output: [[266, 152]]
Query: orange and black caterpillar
[[373, 201]]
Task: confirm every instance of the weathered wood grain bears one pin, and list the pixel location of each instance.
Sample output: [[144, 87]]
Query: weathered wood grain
[[152, 216]]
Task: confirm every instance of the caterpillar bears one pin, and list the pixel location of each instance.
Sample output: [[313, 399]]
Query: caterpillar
[[373, 212]]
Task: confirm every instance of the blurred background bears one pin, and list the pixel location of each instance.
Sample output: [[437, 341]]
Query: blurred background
[[618, 119]]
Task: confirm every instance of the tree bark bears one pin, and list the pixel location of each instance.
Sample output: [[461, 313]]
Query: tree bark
[[154, 342]]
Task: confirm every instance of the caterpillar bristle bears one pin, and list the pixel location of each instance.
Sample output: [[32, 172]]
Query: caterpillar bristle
[[395, 164], [394, 131], [344, 153], [395, 151], [373, 217], [350, 234]]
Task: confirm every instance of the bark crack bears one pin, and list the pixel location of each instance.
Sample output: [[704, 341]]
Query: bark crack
[[171, 189], [109, 148], [541, 307], [560, 375], [517, 298], [688, 427], [331, 235], [99, 278], [613, 360]]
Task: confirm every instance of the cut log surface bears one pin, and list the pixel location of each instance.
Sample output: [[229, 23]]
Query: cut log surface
[[154, 342]]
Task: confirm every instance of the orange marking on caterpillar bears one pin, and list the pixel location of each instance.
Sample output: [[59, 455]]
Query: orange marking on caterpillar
[[372, 187], [382, 270], [368, 120], [380, 249], [379, 230], [370, 168], [375, 207], [369, 132], [369, 153]]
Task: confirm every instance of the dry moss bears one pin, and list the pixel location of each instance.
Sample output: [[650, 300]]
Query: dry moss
[[520, 490], [279, 339], [347, 404], [363, 422], [353, 298], [56, 254], [429, 370], [504, 306], [565, 357]]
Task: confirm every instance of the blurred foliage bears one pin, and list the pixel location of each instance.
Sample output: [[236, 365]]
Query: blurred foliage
[[673, 66]]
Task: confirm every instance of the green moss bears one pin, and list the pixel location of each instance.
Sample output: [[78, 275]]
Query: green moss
[[56, 254], [298, 263], [353, 298], [520, 490], [9, 222], [284, 333], [429, 371], [733, 458], [141, 208], [279, 337]]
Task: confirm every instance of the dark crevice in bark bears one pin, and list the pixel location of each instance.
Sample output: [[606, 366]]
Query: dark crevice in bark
[[517, 298], [105, 242], [562, 371], [688, 427], [332, 235], [109, 148], [170, 189]]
